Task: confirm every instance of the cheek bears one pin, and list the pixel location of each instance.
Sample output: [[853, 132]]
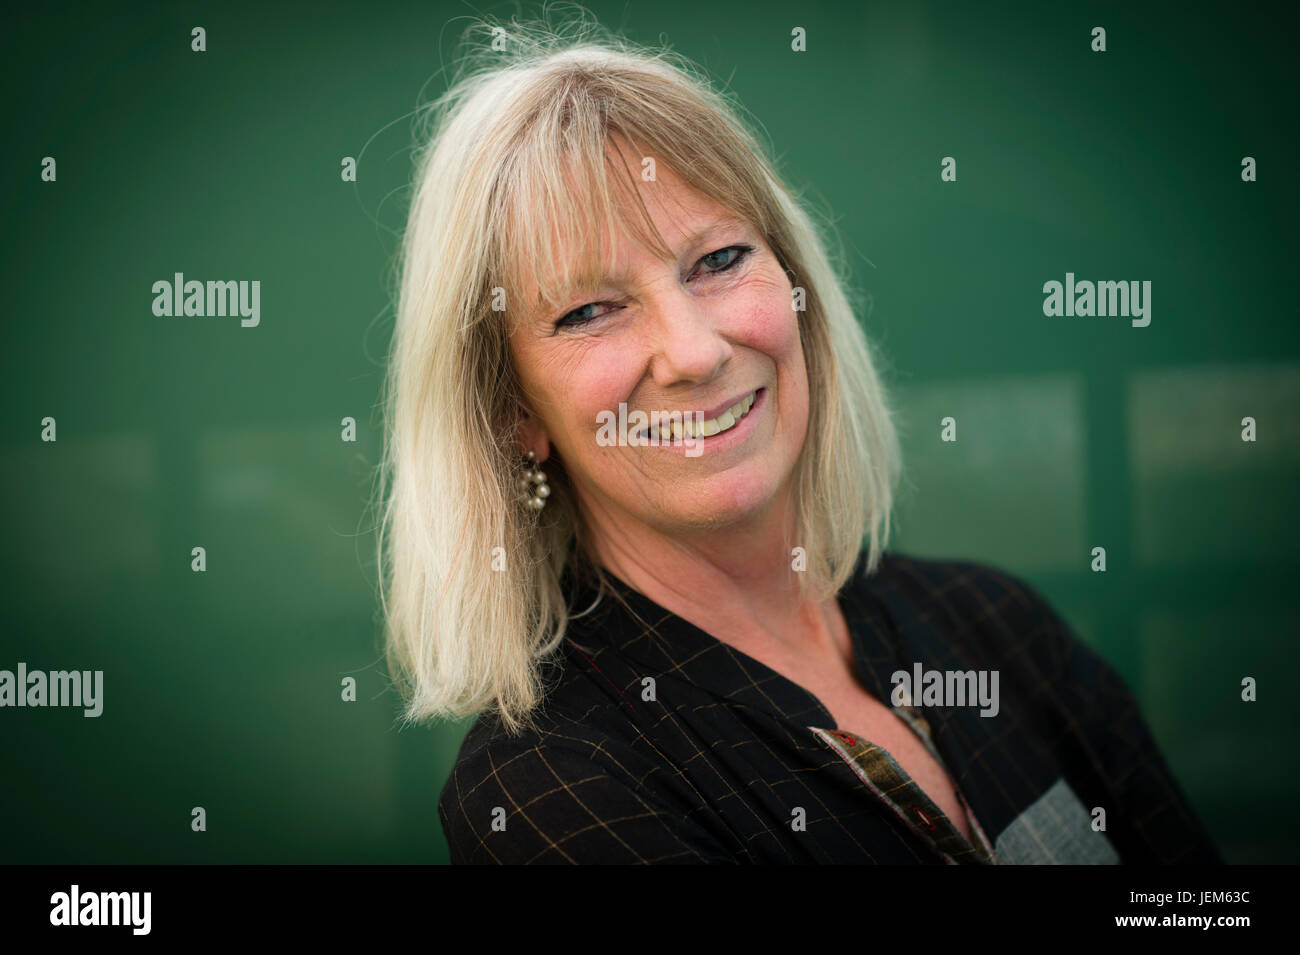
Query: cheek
[[600, 388], [770, 324], [581, 390], [574, 383]]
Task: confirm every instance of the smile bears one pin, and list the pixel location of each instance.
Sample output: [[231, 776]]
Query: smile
[[687, 427]]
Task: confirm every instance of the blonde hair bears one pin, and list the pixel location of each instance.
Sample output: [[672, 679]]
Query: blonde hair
[[517, 167]]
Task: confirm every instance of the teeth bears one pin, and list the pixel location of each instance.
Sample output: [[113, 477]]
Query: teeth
[[722, 422]]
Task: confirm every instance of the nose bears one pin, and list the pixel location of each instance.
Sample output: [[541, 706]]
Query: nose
[[688, 342]]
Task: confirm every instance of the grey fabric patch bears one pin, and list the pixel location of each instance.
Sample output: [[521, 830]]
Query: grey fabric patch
[[1055, 830]]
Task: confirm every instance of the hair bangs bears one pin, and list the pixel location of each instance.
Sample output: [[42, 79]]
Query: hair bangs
[[568, 193]]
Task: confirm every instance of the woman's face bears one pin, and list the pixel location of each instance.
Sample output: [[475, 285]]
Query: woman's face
[[697, 333]]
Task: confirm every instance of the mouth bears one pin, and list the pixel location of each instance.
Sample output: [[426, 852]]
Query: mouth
[[686, 427]]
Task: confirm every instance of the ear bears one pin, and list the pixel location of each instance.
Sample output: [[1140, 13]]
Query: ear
[[531, 435]]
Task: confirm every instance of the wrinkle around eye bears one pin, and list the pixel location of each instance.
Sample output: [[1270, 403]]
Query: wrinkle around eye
[[733, 272], [563, 321]]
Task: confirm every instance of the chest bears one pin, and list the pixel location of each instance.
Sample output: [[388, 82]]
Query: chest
[[832, 678], [857, 711]]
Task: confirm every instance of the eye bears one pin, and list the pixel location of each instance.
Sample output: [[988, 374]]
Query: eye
[[721, 260], [716, 262], [577, 316]]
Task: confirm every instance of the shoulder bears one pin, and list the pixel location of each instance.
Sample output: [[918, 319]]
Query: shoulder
[[980, 615], [977, 589], [560, 794], [574, 786], [986, 610]]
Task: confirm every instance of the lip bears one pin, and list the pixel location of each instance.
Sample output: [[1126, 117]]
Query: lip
[[710, 415], [734, 435]]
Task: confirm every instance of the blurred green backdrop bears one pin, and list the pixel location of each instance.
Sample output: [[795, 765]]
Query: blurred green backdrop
[[222, 688]]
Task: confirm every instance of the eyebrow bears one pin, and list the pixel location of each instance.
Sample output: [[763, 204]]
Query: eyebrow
[[567, 290]]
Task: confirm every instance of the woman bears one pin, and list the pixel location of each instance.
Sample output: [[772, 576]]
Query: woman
[[639, 476]]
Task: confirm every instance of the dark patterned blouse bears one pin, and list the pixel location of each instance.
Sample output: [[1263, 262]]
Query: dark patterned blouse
[[658, 743]]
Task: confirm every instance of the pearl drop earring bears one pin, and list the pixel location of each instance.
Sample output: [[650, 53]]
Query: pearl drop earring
[[536, 496]]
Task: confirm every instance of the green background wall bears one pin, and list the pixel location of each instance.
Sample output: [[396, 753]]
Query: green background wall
[[222, 688]]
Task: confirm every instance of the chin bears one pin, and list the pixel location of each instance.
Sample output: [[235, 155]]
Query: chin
[[726, 502]]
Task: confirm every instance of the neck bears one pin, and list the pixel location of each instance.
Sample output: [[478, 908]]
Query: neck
[[736, 584]]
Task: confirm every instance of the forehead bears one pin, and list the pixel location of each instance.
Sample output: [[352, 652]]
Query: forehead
[[664, 217]]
